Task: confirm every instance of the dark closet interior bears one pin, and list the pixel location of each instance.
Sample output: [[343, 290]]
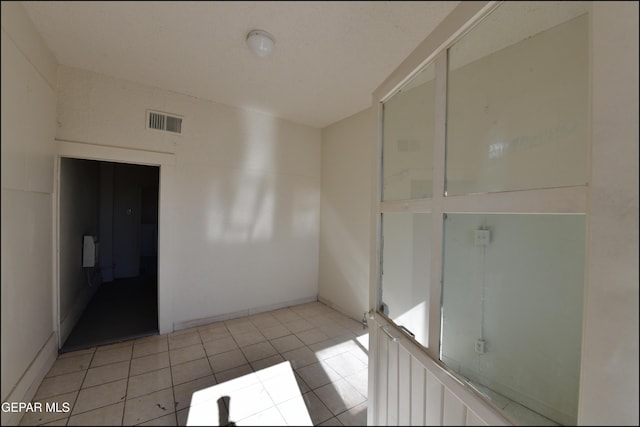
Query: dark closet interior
[[110, 286]]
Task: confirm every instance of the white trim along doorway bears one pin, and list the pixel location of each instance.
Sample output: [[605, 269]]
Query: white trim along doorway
[[166, 164]]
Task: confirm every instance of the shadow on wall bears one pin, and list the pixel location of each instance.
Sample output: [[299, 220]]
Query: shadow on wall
[[247, 210], [261, 198]]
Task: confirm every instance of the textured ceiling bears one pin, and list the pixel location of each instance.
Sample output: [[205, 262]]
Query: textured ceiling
[[328, 59]]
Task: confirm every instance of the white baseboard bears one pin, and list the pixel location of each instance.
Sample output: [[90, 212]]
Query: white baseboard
[[338, 308], [248, 312], [28, 384]]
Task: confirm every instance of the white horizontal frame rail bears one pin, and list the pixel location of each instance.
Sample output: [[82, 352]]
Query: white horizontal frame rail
[[459, 21], [564, 200], [82, 150], [422, 205]]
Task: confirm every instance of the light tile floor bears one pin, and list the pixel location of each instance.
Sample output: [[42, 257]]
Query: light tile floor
[[520, 413], [157, 380]]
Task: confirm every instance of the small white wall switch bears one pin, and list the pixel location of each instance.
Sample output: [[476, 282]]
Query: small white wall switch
[[481, 346], [482, 237]]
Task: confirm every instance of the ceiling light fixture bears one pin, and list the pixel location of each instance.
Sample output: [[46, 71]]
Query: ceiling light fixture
[[260, 42]]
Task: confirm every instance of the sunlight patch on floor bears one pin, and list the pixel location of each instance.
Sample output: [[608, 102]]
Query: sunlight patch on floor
[[270, 396]]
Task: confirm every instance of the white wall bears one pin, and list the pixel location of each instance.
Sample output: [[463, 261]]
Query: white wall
[[28, 129], [348, 147], [609, 382], [243, 212]]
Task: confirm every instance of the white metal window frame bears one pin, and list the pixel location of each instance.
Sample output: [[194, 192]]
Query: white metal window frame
[[559, 200]]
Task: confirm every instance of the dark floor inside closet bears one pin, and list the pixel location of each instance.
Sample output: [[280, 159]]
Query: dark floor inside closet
[[119, 310]]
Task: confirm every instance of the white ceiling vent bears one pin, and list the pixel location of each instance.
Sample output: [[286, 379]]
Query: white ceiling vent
[[163, 121]]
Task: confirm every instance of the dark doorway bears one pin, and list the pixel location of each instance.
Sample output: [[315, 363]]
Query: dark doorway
[[111, 294]]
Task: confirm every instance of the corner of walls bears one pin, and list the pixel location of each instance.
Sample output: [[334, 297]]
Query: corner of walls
[[29, 75], [337, 307], [17, 24], [241, 313], [345, 213], [29, 383], [75, 312]]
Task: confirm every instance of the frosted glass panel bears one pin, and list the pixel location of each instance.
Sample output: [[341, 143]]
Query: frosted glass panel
[[512, 301], [518, 100], [406, 260], [407, 148]]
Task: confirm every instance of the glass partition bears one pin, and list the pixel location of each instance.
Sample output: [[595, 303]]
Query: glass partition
[[506, 314], [406, 260], [408, 131], [512, 299], [518, 100]]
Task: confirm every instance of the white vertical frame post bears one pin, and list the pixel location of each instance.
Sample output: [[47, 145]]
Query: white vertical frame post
[[374, 264], [437, 210]]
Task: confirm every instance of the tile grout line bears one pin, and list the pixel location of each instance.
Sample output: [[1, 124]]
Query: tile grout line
[[156, 391], [94, 386], [173, 390], [126, 389], [55, 395], [81, 384], [302, 317], [215, 378]]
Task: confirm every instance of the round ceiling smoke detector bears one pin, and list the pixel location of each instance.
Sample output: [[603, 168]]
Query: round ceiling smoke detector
[[260, 42]]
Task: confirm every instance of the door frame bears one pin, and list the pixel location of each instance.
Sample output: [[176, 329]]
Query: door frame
[[166, 163]]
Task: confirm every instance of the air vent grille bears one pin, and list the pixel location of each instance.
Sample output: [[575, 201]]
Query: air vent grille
[[164, 122], [174, 124]]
